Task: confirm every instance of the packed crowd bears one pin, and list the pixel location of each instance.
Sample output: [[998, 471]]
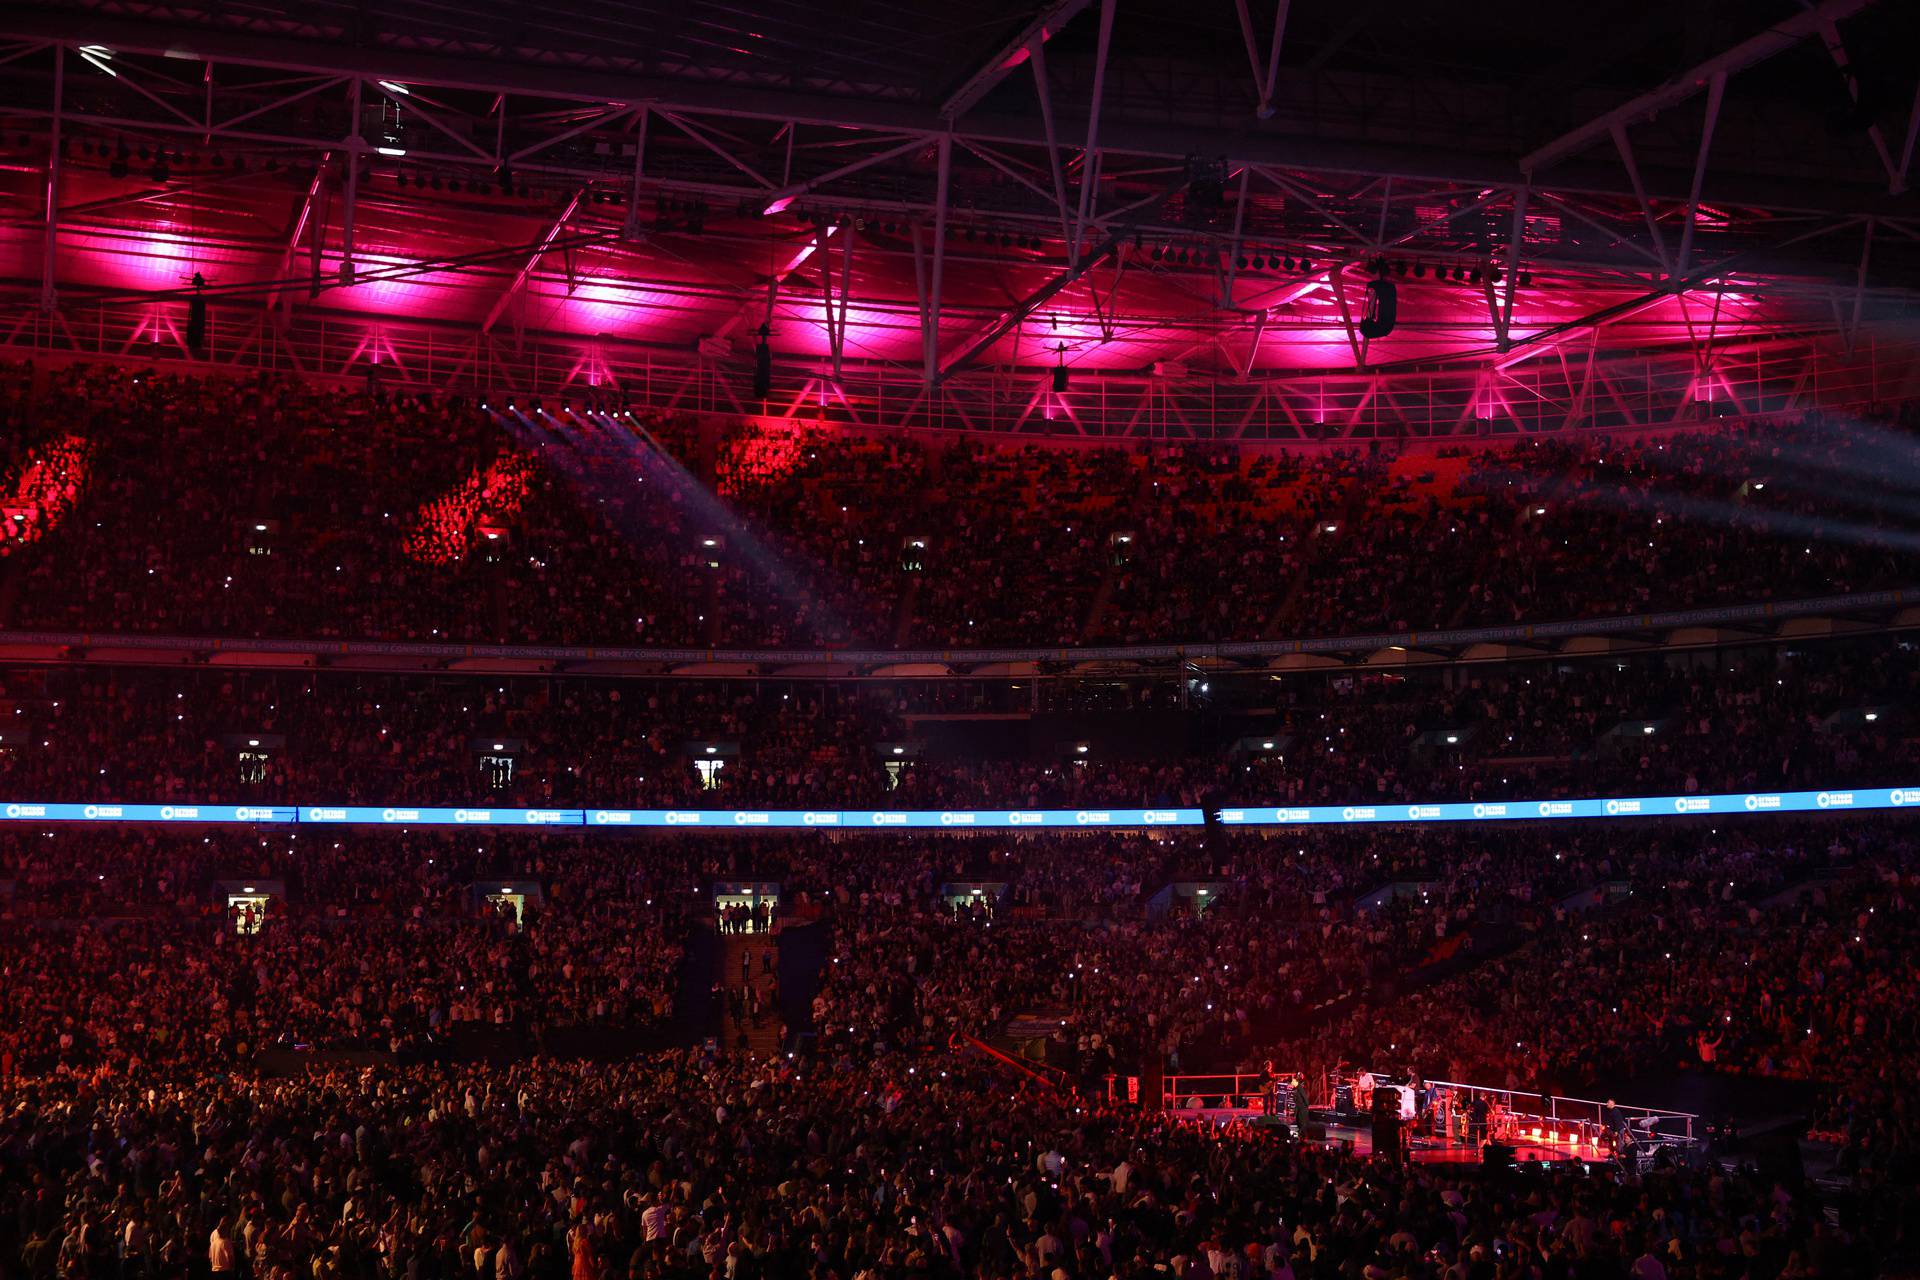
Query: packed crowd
[[1761, 719], [294, 511], [141, 1131], [684, 1166], [294, 1054]]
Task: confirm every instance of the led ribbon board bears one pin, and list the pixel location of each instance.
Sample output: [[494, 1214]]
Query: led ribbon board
[[1729, 804]]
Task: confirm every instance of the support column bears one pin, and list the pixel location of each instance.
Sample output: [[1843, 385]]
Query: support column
[[49, 299], [930, 313]]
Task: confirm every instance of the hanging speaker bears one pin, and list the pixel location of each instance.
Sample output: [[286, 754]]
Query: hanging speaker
[[197, 318], [762, 367], [1382, 309]]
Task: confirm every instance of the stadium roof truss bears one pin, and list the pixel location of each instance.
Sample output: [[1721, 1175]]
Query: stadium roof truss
[[926, 241]]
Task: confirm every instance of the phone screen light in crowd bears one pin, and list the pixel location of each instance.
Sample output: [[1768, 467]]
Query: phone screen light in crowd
[[713, 750], [1452, 738], [1081, 749], [899, 751], [1872, 716], [259, 528], [499, 746], [1266, 746], [253, 742], [1646, 728], [1332, 528]]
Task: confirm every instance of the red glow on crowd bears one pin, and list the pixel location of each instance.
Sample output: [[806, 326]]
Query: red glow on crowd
[[768, 451], [46, 487], [446, 527]]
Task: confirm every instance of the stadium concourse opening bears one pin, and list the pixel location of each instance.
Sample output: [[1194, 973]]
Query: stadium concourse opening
[[1062, 640]]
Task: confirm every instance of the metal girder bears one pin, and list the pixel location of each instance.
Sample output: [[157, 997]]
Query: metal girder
[[775, 279], [1837, 50], [1090, 154], [352, 146], [1512, 281], [1756, 49], [1716, 94], [980, 342], [1141, 135], [525, 273], [1038, 59], [301, 217], [930, 300], [454, 356], [1906, 151], [1012, 317], [1263, 82], [777, 200], [50, 230], [1043, 27]]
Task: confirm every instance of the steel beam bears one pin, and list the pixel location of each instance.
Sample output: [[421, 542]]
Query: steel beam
[[50, 231], [930, 310], [525, 273], [1263, 82], [302, 215], [1716, 94], [1090, 154], [1774, 40], [1009, 55], [1009, 319], [1140, 135], [1039, 61]]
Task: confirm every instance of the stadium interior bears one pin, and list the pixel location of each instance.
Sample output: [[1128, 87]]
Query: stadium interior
[[1030, 640]]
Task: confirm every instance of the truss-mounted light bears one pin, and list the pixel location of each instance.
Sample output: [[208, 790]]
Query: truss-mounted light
[[390, 151], [99, 57], [395, 88]]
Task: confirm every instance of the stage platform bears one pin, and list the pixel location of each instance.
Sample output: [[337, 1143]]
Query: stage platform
[[1424, 1150], [1535, 1128], [1358, 1138]]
